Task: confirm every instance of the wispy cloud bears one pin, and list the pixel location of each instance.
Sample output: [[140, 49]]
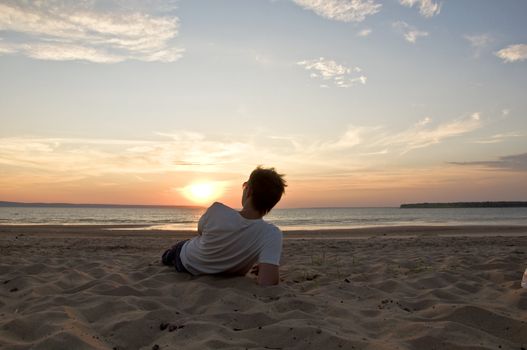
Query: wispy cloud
[[65, 52], [340, 75], [342, 10], [427, 8], [410, 33], [516, 162], [368, 141], [478, 42], [358, 147], [423, 134], [513, 53], [498, 138], [5, 47], [89, 30], [364, 32], [92, 157], [424, 121], [354, 136]]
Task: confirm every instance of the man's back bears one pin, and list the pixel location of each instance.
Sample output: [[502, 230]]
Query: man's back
[[230, 243]]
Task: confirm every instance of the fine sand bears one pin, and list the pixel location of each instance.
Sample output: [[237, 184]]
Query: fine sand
[[85, 287]]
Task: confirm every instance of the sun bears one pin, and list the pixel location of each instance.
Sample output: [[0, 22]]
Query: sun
[[202, 192]]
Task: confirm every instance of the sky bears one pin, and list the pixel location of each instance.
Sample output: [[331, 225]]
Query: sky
[[357, 102]]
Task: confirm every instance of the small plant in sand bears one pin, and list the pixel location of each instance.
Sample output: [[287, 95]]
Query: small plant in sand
[[421, 266], [337, 266], [392, 269], [354, 260], [318, 260]]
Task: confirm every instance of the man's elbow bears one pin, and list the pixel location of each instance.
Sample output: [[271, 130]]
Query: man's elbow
[[268, 274]]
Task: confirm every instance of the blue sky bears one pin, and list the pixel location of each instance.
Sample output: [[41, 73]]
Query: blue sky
[[358, 102]]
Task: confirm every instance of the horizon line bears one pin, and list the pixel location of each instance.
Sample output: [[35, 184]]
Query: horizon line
[[114, 205], [58, 204]]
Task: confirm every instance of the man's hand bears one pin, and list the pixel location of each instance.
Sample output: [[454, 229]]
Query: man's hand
[[268, 274]]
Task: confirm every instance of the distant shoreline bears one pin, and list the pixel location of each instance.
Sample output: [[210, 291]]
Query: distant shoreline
[[501, 204], [74, 205]]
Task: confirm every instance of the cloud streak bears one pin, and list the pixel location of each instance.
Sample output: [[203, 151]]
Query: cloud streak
[[478, 42], [516, 162], [380, 141], [81, 30], [410, 33], [183, 151], [358, 147], [498, 138], [364, 32], [423, 135], [329, 70], [341, 10]]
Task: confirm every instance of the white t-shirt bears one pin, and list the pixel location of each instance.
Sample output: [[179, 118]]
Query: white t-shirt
[[230, 243]]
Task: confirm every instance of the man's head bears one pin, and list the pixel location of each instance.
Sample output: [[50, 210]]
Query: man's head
[[264, 189]]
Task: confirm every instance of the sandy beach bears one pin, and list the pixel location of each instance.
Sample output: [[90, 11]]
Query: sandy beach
[[87, 287]]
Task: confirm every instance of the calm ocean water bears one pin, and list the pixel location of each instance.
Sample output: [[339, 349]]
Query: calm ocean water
[[312, 218]]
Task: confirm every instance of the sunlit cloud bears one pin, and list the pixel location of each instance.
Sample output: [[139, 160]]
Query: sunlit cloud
[[424, 121], [185, 151], [513, 53], [421, 135], [65, 52], [100, 32], [340, 75], [353, 136], [197, 152], [364, 146], [91, 157], [517, 162], [427, 8], [364, 32], [342, 10], [410, 33], [478, 42]]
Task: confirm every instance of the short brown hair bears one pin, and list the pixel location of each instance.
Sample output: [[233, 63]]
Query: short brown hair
[[267, 188]]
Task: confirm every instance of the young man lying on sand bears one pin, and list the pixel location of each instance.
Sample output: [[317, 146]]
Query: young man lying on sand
[[231, 241]]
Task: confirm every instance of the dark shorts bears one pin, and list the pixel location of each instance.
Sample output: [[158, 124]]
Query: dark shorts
[[171, 257]]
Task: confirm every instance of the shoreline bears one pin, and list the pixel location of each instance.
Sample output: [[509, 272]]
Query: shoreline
[[403, 231]]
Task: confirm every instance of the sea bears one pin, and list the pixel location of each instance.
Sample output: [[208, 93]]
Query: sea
[[286, 219]]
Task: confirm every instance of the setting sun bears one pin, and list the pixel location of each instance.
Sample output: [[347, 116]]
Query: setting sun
[[203, 192]]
